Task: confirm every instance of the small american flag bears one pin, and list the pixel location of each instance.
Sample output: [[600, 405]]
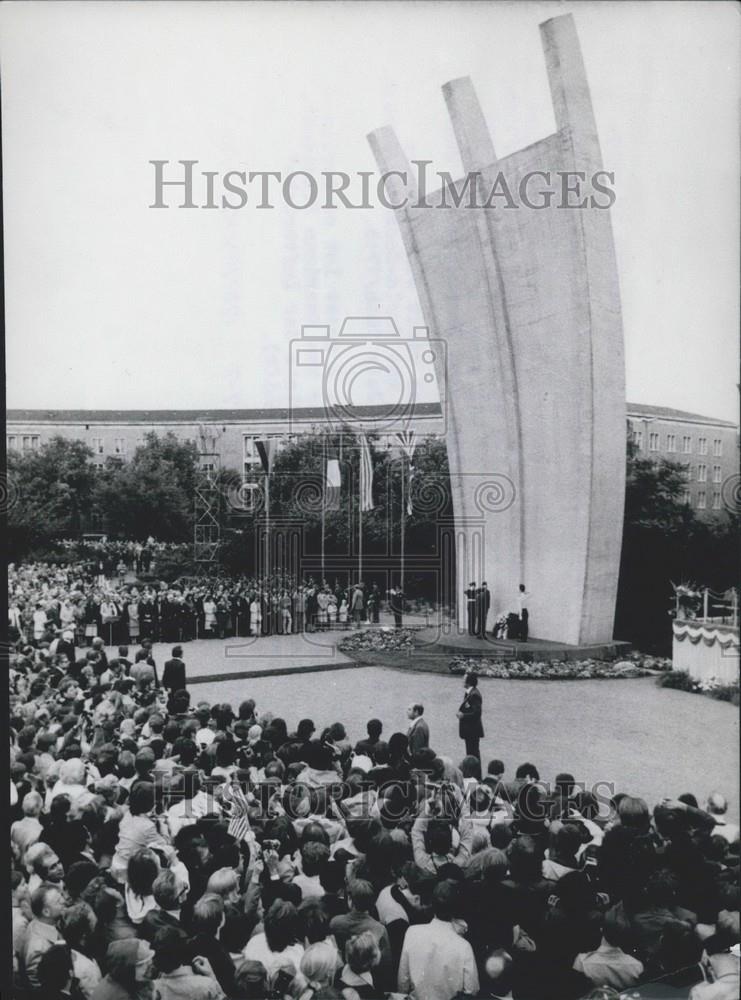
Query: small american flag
[[239, 824]]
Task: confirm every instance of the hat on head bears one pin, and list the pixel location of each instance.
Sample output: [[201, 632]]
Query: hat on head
[[204, 737], [254, 735], [68, 636]]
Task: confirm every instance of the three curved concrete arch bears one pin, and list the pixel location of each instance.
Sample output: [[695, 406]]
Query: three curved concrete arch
[[529, 304]]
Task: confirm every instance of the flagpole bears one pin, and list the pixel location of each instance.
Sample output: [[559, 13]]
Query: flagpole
[[324, 494], [360, 531], [403, 518], [267, 526]]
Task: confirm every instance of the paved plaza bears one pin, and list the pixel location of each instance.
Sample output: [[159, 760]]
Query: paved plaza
[[622, 731]]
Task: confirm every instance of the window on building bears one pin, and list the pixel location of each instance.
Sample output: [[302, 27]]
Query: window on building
[[702, 446], [119, 446], [716, 500], [11, 442], [653, 441], [716, 474], [98, 445], [701, 500], [702, 473], [35, 442], [638, 439], [686, 496], [717, 447], [251, 457], [671, 442], [686, 444]]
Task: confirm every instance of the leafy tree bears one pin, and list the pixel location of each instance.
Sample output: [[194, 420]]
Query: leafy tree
[[296, 485], [50, 491], [664, 541], [154, 493]]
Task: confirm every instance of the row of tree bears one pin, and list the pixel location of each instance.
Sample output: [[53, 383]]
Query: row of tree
[[58, 491]]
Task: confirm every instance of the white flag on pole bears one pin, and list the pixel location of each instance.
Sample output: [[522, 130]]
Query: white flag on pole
[[366, 475], [408, 443], [333, 485]]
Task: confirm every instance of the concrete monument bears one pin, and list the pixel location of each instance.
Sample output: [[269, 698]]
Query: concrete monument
[[528, 301]]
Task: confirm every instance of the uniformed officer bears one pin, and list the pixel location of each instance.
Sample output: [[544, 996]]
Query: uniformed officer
[[471, 607]]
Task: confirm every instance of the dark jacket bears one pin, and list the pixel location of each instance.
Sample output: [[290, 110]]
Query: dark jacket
[[469, 725], [419, 736], [173, 677]]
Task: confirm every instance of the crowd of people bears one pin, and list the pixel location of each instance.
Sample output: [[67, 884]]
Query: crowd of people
[[80, 600], [170, 849], [107, 557]]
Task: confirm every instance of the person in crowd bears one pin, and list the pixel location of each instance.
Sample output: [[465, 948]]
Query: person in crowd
[[717, 807], [374, 728], [483, 603], [279, 940], [397, 599], [47, 907], [361, 897], [470, 728], [129, 964], [173, 676], [179, 974], [163, 850], [610, 964], [436, 961], [77, 926], [317, 970], [523, 601], [418, 733]]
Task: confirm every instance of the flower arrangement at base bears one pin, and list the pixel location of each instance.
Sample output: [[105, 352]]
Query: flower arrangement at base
[[547, 669], [379, 640]]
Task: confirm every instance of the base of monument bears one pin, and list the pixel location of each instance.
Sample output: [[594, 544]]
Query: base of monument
[[432, 641]]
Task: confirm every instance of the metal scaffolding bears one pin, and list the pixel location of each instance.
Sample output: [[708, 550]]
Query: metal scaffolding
[[207, 528]]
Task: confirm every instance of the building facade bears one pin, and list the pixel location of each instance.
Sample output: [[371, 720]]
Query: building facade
[[707, 448], [230, 435]]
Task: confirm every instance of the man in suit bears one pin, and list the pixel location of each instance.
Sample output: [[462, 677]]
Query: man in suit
[[173, 679], [374, 604], [66, 646], [469, 716], [170, 890], [471, 607], [418, 734], [523, 598], [483, 602], [396, 605]]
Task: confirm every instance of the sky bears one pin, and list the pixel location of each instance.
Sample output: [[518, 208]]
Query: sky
[[113, 304]]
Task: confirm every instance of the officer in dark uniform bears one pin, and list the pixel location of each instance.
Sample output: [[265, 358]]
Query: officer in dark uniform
[[470, 728], [483, 603], [471, 607]]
